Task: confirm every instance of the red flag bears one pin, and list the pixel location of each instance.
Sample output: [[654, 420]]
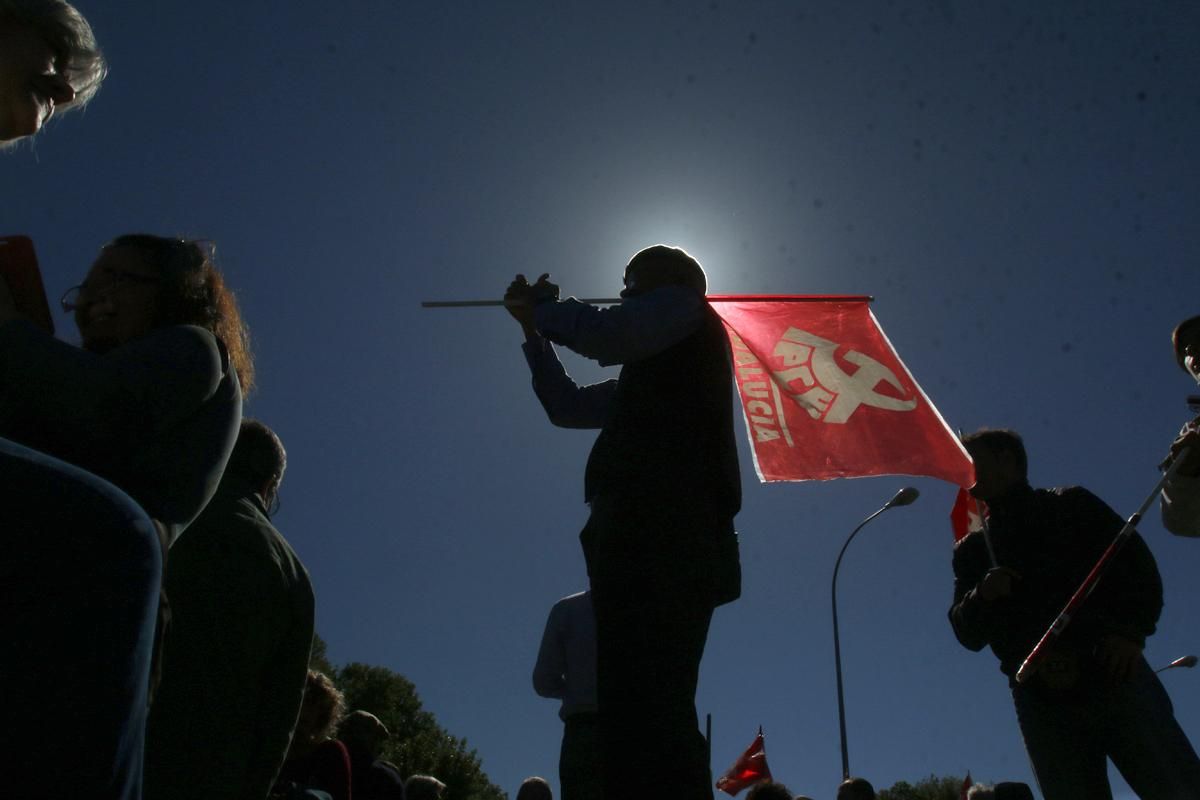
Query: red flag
[[966, 786], [967, 514], [826, 396], [750, 768]]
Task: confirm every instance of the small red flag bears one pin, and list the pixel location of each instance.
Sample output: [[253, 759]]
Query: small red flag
[[826, 396], [967, 514], [750, 768]]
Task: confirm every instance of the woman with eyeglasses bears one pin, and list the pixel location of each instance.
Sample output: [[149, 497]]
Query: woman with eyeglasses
[[135, 424]]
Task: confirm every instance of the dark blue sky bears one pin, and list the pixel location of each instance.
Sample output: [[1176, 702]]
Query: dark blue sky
[[1016, 185]]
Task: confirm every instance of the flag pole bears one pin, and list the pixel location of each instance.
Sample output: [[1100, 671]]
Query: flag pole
[[595, 301], [712, 298], [983, 523], [1035, 657], [987, 535]]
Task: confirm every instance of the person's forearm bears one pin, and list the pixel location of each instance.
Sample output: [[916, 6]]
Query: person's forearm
[[567, 404], [89, 397], [69, 385], [971, 619], [532, 336]]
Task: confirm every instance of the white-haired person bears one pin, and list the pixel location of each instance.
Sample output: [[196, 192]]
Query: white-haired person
[[423, 787], [49, 61]]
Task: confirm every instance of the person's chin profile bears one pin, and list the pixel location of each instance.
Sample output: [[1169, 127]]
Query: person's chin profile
[[15, 126]]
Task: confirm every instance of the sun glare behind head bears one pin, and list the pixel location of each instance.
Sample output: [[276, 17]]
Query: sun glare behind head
[[709, 237]]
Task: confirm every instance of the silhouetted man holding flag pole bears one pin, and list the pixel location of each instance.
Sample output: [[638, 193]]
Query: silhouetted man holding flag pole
[[663, 485], [1092, 696]]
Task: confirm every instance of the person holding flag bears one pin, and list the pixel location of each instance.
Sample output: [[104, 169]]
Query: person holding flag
[[663, 485], [1093, 697]]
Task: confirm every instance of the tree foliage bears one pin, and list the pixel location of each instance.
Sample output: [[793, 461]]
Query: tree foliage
[[947, 787], [418, 744], [317, 658]]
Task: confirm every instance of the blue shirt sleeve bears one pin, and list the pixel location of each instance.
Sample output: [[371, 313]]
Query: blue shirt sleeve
[[567, 404], [637, 328]]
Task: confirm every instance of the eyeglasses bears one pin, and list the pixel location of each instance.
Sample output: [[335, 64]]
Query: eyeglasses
[[117, 279]]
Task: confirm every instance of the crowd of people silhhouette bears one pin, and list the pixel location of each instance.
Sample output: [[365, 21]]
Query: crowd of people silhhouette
[[156, 627]]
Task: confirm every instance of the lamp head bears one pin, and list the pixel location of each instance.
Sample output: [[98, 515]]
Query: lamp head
[[903, 497]]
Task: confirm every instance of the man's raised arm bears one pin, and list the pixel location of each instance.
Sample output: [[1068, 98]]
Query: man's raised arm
[[567, 404]]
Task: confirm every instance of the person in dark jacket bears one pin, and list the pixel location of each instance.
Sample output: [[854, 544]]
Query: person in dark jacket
[[235, 658], [1094, 697], [663, 485], [371, 777]]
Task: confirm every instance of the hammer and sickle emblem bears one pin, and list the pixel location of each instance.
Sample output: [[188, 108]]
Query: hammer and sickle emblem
[[825, 390]]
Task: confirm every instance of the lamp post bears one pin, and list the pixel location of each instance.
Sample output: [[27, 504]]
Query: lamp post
[[902, 498], [1186, 661]]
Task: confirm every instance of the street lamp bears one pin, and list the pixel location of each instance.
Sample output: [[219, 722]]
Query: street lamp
[[1186, 662], [903, 497]]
